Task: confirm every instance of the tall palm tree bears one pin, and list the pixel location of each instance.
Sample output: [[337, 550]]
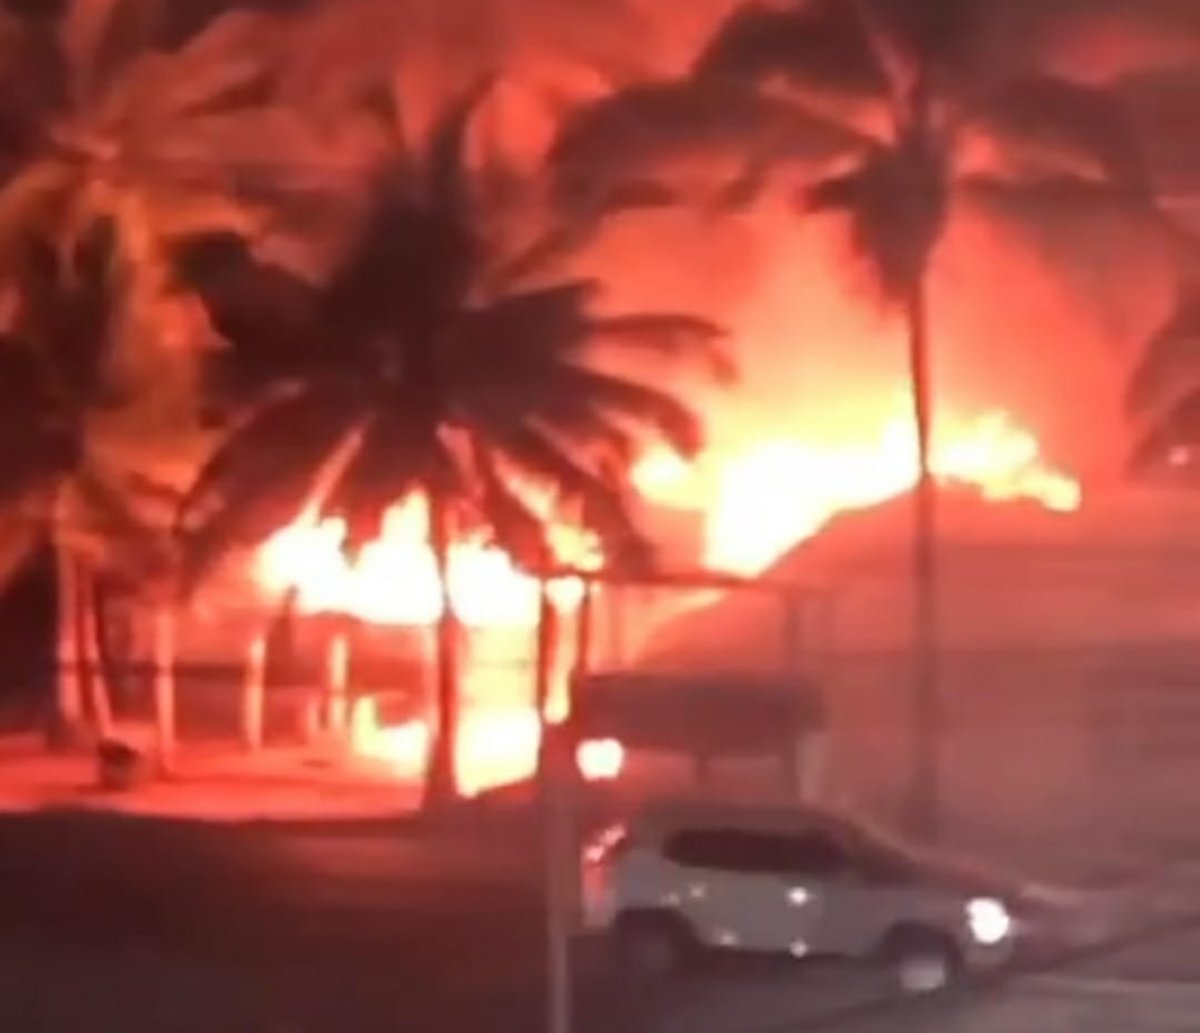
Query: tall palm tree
[[443, 357], [928, 126], [112, 149], [1163, 396]]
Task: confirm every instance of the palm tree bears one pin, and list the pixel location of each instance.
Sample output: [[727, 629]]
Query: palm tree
[[112, 150], [433, 361], [1163, 396], [903, 81]]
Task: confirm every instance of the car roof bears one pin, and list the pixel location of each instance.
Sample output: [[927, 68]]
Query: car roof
[[663, 817]]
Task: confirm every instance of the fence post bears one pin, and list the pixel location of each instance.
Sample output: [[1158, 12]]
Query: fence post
[[254, 693], [337, 682], [164, 686]]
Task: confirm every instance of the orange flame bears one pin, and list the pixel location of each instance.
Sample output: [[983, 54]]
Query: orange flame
[[759, 504], [394, 578], [779, 492]]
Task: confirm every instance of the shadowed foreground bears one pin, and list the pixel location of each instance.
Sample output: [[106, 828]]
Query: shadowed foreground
[[145, 926]]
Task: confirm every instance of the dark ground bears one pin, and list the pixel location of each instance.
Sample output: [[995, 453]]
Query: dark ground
[[132, 926], [136, 926]]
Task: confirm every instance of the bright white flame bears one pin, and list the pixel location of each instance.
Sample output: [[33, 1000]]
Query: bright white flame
[[496, 747], [394, 580]]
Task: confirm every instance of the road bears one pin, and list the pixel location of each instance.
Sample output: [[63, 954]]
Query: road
[[152, 927]]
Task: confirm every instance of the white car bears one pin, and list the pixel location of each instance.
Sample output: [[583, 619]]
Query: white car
[[790, 880]]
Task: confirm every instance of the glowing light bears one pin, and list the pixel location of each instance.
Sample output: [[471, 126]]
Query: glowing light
[[759, 503], [989, 920], [394, 579], [600, 760], [780, 492], [496, 747], [663, 475]]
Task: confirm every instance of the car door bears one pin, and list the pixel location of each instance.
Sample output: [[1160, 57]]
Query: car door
[[737, 891], [820, 873], [858, 895]]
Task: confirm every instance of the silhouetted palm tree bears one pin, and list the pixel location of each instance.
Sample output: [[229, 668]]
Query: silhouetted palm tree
[[112, 150], [926, 123], [440, 359], [1164, 392]]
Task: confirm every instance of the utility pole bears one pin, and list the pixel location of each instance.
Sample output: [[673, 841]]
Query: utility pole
[[927, 704], [552, 773]]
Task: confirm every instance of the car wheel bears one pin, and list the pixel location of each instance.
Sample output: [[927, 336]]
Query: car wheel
[[922, 961], [651, 944]]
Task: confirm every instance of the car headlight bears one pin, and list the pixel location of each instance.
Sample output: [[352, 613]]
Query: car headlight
[[989, 921]]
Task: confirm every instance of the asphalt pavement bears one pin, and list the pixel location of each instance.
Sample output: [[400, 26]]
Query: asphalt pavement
[[139, 926]]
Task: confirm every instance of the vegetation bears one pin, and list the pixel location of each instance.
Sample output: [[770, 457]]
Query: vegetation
[[395, 307], [113, 152], [898, 124], [461, 372]]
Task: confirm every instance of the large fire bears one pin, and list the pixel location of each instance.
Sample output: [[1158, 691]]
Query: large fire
[[759, 502], [765, 500]]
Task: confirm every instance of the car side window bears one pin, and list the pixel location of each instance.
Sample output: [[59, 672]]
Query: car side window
[[814, 854]]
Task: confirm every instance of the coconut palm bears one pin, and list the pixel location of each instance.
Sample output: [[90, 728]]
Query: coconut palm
[[112, 149], [1164, 393], [929, 128], [438, 359]]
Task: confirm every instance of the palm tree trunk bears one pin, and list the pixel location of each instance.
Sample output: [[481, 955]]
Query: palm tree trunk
[[927, 708], [441, 784], [164, 686], [68, 683], [91, 655]]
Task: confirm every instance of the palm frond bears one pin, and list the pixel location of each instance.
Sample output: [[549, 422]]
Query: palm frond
[[896, 205], [1175, 433], [671, 334], [267, 316], [447, 163], [40, 438], [519, 331], [1054, 129], [661, 413], [1171, 360], [549, 252], [100, 37], [533, 451], [1038, 208], [409, 265], [396, 457], [230, 66], [30, 95], [23, 531], [927, 34], [516, 527], [662, 143], [261, 474], [819, 48]]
